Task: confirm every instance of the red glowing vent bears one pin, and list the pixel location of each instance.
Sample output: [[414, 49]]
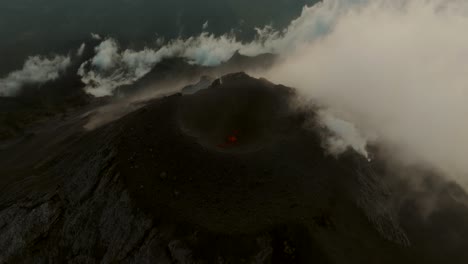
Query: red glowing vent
[[230, 140]]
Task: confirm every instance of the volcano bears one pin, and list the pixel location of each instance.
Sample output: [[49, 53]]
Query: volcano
[[225, 174]]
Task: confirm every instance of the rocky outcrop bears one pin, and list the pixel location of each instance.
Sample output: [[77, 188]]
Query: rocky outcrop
[[89, 219]]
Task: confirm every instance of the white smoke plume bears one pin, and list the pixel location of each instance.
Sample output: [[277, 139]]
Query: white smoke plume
[[397, 70], [205, 26], [36, 69], [343, 135], [81, 50], [96, 36]]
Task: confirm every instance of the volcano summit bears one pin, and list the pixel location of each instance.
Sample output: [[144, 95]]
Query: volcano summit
[[168, 184]]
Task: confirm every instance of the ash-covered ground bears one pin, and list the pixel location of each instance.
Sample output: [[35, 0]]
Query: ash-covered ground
[[225, 170]]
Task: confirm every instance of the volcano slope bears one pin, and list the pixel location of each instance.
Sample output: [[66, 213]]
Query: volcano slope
[[228, 174]]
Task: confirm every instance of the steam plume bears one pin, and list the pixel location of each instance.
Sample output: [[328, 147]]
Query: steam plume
[[397, 70]]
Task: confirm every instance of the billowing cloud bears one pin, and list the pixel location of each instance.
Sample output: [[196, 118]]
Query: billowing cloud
[[112, 68], [36, 69], [106, 55], [396, 70]]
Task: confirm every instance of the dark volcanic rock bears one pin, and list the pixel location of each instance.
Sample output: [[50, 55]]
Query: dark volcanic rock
[[252, 113], [225, 175]]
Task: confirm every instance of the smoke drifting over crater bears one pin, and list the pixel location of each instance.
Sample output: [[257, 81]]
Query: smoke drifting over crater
[[397, 71]]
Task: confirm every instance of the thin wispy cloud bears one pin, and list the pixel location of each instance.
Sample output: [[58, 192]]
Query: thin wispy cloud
[[36, 69]]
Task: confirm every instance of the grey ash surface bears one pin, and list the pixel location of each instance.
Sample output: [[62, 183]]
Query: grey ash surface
[[166, 184]]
